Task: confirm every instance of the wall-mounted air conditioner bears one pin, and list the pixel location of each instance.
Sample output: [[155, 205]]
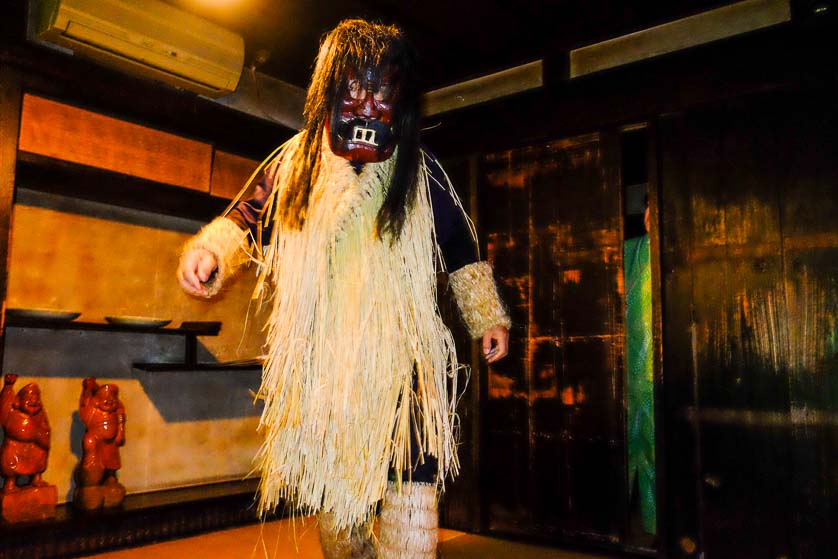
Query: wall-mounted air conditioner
[[148, 38]]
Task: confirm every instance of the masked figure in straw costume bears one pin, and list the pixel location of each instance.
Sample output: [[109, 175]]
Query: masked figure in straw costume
[[349, 224]]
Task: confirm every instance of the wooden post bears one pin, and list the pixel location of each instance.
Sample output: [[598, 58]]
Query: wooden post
[[653, 191], [477, 367], [10, 100]]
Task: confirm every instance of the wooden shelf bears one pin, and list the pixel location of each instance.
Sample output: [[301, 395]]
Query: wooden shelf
[[148, 500], [154, 499], [143, 518], [248, 365], [54, 176], [208, 328], [190, 330]]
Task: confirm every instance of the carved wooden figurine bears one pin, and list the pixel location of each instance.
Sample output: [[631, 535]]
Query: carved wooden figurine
[[103, 415], [24, 453]]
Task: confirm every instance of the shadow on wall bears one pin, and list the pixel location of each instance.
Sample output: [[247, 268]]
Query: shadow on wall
[[77, 431], [202, 395], [78, 354], [178, 396], [107, 212]]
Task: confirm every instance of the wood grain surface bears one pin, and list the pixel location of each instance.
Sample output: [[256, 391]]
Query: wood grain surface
[[80, 136]]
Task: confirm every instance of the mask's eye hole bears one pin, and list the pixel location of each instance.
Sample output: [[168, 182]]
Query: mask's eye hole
[[355, 89], [385, 91]]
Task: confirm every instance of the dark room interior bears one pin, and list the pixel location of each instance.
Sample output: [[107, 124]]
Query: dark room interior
[[653, 184]]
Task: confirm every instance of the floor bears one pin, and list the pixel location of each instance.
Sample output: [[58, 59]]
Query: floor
[[275, 540]]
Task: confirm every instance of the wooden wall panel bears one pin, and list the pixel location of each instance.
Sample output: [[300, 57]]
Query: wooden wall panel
[[750, 254], [80, 136], [105, 261], [810, 242], [554, 449], [506, 448], [230, 173]]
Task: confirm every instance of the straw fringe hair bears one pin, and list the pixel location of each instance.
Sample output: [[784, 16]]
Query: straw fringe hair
[[409, 522], [352, 318], [477, 297], [355, 43], [228, 243]]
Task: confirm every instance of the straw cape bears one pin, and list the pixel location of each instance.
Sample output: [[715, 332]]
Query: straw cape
[[353, 319]]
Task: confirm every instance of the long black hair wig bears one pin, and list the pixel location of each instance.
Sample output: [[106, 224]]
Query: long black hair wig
[[352, 45]]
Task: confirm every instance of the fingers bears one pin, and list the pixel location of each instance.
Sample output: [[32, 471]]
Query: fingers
[[487, 341], [206, 266], [188, 280], [501, 346], [495, 355], [196, 267], [495, 344]]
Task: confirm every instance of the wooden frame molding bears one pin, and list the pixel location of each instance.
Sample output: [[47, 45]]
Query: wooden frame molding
[[10, 101], [68, 133], [705, 27]]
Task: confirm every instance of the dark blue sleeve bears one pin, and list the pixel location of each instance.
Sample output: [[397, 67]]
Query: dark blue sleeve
[[452, 231]]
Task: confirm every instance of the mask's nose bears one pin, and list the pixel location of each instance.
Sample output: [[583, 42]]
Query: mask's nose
[[367, 108]]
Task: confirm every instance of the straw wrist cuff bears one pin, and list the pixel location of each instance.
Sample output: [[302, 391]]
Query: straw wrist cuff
[[224, 240], [477, 297]]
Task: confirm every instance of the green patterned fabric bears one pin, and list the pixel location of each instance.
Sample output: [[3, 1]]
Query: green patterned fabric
[[640, 386]]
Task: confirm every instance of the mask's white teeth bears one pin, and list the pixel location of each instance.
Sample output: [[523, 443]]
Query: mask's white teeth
[[364, 136]]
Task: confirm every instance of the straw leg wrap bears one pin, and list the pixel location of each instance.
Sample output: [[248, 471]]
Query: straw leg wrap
[[350, 543], [224, 240], [409, 522], [477, 297]]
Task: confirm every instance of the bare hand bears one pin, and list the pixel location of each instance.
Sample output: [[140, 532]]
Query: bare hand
[[495, 343], [196, 267]]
